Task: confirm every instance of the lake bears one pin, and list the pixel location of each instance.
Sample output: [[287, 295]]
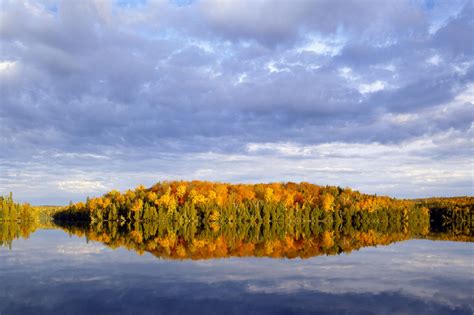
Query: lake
[[74, 271]]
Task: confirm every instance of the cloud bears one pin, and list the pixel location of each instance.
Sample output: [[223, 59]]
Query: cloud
[[7, 66], [371, 87], [80, 250], [81, 186], [87, 87], [285, 23]]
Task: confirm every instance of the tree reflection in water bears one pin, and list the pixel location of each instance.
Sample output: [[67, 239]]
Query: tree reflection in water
[[299, 237], [193, 240]]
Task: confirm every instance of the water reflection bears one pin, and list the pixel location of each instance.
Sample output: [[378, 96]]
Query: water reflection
[[94, 268], [55, 273], [277, 239], [11, 230], [201, 240]]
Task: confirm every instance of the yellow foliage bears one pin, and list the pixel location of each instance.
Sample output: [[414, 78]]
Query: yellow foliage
[[136, 236], [137, 205], [215, 215], [327, 239], [180, 251], [181, 191], [268, 247], [268, 194], [151, 196], [198, 243], [328, 202], [290, 199], [196, 197], [212, 195], [167, 200], [215, 226]]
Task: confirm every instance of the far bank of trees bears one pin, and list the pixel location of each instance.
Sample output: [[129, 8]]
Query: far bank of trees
[[453, 216], [14, 211]]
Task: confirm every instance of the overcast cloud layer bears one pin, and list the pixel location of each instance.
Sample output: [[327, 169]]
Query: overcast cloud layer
[[374, 95]]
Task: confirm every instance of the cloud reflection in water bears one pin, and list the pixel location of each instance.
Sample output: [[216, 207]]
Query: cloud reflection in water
[[54, 273]]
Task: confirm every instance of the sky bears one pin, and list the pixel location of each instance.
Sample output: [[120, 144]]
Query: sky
[[100, 95]]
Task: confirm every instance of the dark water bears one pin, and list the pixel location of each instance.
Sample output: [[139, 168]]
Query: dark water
[[54, 273]]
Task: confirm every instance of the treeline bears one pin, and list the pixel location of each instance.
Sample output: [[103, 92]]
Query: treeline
[[218, 203], [12, 211]]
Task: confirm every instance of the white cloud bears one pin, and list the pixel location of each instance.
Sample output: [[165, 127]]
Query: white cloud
[[434, 60], [323, 46], [347, 74], [466, 96], [372, 87], [74, 155], [288, 149], [80, 249], [7, 66], [401, 119], [273, 68], [241, 78], [81, 186]]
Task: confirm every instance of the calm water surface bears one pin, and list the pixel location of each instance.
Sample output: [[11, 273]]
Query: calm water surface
[[54, 273]]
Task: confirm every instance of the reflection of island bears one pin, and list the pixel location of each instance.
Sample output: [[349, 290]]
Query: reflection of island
[[273, 240], [276, 240], [201, 240], [11, 230]]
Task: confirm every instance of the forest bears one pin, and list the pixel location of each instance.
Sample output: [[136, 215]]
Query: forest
[[12, 211], [219, 202]]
